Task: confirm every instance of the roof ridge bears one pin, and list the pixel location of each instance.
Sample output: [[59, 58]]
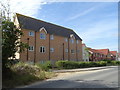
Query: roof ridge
[[43, 21]]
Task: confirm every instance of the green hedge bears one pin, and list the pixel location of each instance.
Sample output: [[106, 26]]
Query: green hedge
[[73, 64], [45, 66]]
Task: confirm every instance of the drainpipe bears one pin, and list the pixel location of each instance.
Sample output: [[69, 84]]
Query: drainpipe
[[49, 46], [76, 52], [27, 48], [68, 50], [63, 51], [35, 49]]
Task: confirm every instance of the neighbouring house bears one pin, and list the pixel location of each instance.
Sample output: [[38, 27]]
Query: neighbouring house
[[95, 55], [114, 55], [48, 41], [99, 54], [106, 53], [85, 53]]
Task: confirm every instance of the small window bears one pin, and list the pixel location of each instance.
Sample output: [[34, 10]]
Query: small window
[[66, 40], [66, 50], [31, 33], [51, 37], [78, 51], [31, 48], [42, 36], [51, 49], [77, 41], [42, 62], [42, 49], [72, 41], [72, 51]]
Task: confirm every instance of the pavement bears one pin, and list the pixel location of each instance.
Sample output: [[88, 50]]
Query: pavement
[[81, 69]]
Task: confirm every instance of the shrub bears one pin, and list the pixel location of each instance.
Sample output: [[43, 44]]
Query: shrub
[[102, 63], [45, 66], [115, 62], [73, 64], [24, 68]]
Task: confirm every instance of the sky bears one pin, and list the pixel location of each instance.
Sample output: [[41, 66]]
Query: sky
[[95, 22]]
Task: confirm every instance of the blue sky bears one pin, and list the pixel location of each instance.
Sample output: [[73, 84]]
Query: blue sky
[[95, 22]]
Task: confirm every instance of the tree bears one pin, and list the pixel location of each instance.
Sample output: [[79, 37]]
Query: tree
[[10, 41], [10, 37]]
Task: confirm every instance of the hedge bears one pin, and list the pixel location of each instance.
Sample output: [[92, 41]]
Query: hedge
[[64, 64]]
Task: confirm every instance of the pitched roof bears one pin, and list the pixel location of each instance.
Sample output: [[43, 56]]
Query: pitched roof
[[83, 44], [35, 25], [92, 50], [103, 51], [113, 52]]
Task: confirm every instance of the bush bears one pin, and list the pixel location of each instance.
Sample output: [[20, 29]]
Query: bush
[[24, 73], [24, 68], [115, 62], [45, 66], [73, 64]]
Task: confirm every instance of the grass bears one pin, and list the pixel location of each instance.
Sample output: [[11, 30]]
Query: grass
[[23, 74]]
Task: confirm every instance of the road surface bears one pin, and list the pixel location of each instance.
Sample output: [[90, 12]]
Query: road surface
[[103, 78]]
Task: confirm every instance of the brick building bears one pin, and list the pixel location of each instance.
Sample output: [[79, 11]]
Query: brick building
[[47, 41]]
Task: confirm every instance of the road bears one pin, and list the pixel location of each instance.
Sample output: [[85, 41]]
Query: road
[[103, 78]]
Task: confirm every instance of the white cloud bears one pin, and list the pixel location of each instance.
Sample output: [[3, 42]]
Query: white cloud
[[98, 30], [26, 7], [81, 14]]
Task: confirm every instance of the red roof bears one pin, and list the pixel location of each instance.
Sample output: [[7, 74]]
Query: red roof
[[113, 52], [103, 51], [93, 50]]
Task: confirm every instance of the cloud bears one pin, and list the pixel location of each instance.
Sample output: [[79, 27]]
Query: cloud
[[26, 7], [107, 45], [85, 12], [99, 30]]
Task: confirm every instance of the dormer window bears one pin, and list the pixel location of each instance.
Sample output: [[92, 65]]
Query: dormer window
[[31, 33], [42, 36], [51, 37]]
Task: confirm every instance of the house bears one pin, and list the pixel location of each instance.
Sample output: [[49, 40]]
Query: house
[[106, 53], [48, 41], [114, 55], [99, 54], [85, 53], [95, 55]]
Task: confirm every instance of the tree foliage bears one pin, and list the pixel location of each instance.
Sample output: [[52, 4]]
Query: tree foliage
[[10, 35], [11, 40]]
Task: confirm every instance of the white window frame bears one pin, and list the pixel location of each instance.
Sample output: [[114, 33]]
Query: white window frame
[[51, 49], [42, 36], [72, 41], [51, 37], [30, 48], [42, 49], [66, 40], [66, 50], [73, 51], [31, 33]]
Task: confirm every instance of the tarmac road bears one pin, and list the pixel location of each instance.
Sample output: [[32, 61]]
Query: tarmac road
[[102, 78]]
